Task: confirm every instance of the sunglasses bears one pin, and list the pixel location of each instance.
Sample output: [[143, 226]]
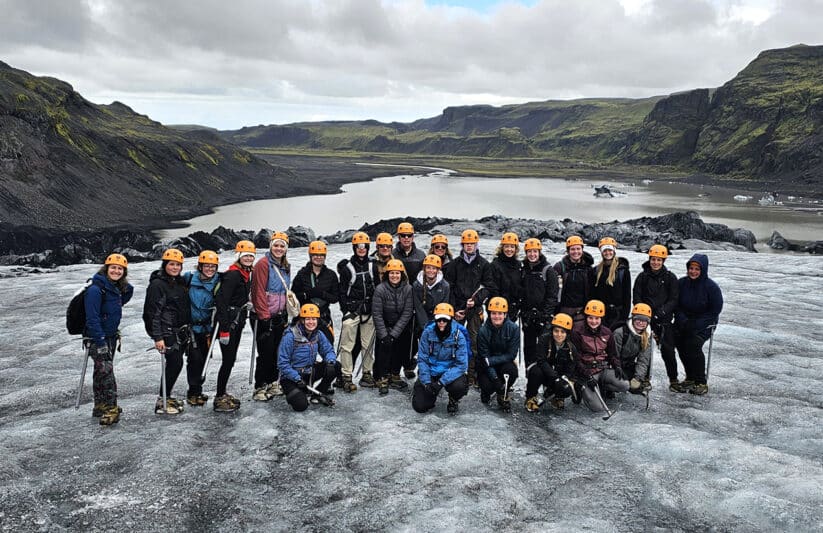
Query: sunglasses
[[439, 246], [405, 235], [384, 245], [442, 320]]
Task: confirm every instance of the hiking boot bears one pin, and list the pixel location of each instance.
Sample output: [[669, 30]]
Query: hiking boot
[[680, 386], [171, 407], [197, 399], [338, 383], [396, 382], [410, 374], [532, 405], [558, 403], [382, 386], [111, 415], [348, 386], [504, 403], [226, 404], [453, 407], [98, 410], [321, 399], [274, 390], [260, 394], [699, 389], [367, 380]]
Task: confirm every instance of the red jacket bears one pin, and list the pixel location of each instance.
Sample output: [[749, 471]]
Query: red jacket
[[596, 349]]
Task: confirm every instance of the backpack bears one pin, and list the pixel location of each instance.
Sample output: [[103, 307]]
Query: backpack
[[76, 311]]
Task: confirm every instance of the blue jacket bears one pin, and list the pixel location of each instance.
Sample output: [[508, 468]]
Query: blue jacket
[[447, 359], [201, 294], [699, 301], [298, 352], [103, 311], [498, 345]]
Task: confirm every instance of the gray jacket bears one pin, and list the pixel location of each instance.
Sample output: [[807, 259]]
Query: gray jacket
[[425, 299], [392, 308], [629, 348]]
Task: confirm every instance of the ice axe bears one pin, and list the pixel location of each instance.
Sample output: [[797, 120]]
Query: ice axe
[[609, 413], [709, 354], [82, 374], [649, 373], [253, 350], [163, 380], [571, 386]]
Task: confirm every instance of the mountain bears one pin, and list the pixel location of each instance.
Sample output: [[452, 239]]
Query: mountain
[[764, 125], [70, 164]]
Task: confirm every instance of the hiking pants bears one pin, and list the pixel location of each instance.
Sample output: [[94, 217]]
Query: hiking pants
[[195, 359], [228, 353], [103, 382], [423, 400], [269, 333], [348, 337], [665, 341], [606, 380], [690, 348], [489, 386]]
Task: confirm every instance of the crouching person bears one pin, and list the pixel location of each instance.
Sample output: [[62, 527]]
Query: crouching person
[[442, 362], [554, 367], [497, 343], [634, 347], [305, 355], [598, 366]]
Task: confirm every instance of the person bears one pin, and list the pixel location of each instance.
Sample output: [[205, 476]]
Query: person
[[443, 361], [202, 284], [540, 290], [439, 246], [657, 287], [167, 318], [270, 280], [232, 302], [381, 255], [632, 341], [356, 292], [318, 284], [497, 343], [506, 270], [699, 304], [305, 355], [103, 302], [554, 365], [429, 290], [470, 284], [613, 284], [392, 311], [598, 365], [407, 251], [576, 278]]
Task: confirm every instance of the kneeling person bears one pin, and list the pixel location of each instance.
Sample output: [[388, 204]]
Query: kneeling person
[[442, 360], [305, 355], [497, 343], [554, 367]]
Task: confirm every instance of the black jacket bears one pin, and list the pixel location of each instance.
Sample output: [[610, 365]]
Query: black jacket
[[507, 275], [577, 280], [167, 307], [563, 361], [392, 308], [413, 261], [232, 295], [425, 299], [659, 290], [465, 278], [539, 299], [356, 292], [618, 297], [322, 290]]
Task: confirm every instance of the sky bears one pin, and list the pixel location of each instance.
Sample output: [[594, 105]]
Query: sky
[[248, 62]]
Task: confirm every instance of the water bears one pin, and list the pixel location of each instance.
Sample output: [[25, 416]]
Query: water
[[439, 194]]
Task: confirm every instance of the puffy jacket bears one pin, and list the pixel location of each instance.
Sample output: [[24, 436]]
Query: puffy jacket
[[659, 290], [426, 298], [464, 279], [699, 301], [201, 296], [629, 346], [595, 348], [299, 350], [540, 291], [618, 297], [232, 295], [446, 359], [498, 345], [320, 289], [577, 280], [412, 261], [392, 308], [563, 360], [507, 275], [167, 307], [268, 294], [104, 308], [356, 291]]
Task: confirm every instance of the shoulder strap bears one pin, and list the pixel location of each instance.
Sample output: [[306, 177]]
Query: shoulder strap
[[543, 272]]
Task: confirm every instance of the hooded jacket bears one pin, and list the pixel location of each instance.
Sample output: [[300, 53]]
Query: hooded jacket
[[356, 291], [498, 345], [320, 289], [392, 308], [659, 290], [446, 358], [232, 295], [465, 278], [299, 350], [700, 301], [540, 291], [507, 275], [563, 360], [577, 280], [426, 298], [629, 346], [167, 307], [617, 297], [412, 261], [104, 303]]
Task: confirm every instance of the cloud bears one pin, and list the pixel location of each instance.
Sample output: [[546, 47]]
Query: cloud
[[253, 61]]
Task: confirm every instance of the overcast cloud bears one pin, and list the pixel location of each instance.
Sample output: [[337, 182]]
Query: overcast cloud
[[230, 64]]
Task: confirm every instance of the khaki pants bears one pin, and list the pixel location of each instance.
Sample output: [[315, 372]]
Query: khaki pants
[[348, 336]]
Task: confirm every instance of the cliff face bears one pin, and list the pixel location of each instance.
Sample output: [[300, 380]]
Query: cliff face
[[69, 164]]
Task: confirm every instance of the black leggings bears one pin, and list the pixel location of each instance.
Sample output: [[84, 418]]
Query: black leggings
[[174, 365], [195, 359], [269, 333], [488, 386], [423, 400], [229, 354], [690, 347], [389, 359], [665, 341], [297, 398]]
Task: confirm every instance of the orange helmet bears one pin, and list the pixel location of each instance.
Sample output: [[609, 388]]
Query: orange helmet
[[642, 310], [574, 240], [395, 265], [117, 259], [360, 238], [499, 304], [173, 254], [208, 257], [384, 238], [595, 308], [442, 309], [279, 235], [510, 238], [317, 248], [309, 311], [404, 227], [469, 236], [658, 250], [607, 241], [432, 260], [440, 239], [532, 244], [562, 320], [245, 247]]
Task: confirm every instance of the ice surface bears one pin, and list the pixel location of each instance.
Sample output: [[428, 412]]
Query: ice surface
[[746, 457]]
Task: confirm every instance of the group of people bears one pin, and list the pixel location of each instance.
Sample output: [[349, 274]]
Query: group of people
[[449, 320]]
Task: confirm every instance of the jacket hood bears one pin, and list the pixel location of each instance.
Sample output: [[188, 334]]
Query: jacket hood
[[437, 280], [703, 260], [647, 268], [105, 282], [541, 262], [161, 274], [586, 259]]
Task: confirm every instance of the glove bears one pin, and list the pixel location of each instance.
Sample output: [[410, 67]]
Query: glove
[[619, 374], [301, 386], [387, 341], [591, 382], [434, 387], [224, 337]]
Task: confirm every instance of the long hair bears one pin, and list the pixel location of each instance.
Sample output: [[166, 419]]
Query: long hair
[[121, 283], [612, 274], [448, 252], [498, 252]]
